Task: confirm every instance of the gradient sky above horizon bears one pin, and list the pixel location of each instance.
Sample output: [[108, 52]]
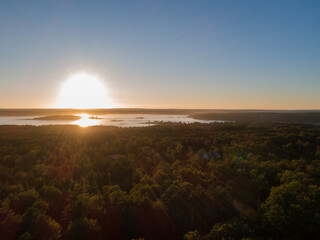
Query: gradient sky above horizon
[[164, 54]]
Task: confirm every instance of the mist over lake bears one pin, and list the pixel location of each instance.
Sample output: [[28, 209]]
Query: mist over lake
[[119, 120]]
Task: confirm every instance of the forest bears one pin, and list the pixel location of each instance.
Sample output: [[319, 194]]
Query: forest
[[169, 181]]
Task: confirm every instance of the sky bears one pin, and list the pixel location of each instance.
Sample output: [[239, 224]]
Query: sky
[[163, 54]]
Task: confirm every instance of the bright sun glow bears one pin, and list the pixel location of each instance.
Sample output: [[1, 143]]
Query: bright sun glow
[[83, 91], [85, 121]]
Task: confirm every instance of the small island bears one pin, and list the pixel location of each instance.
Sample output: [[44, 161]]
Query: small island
[[116, 120], [58, 118]]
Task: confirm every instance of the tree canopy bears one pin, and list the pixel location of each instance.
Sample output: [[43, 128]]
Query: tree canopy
[[172, 181]]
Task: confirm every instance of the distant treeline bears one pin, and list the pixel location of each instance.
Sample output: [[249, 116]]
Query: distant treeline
[[285, 116], [311, 117], [172, 181]]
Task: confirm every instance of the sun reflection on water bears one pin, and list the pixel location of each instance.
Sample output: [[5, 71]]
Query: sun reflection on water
[[86, 121]]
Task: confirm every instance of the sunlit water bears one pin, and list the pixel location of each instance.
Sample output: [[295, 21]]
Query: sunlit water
[[120, 120]]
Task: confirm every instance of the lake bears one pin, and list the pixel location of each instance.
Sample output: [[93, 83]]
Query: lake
[[119, 120]]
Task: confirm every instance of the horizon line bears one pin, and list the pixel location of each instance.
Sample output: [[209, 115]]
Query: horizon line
[[142, 108]]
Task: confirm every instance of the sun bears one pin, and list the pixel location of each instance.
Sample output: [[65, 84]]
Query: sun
[[83, 91]]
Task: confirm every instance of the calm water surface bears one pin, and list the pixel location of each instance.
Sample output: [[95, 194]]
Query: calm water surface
[[120, 120]]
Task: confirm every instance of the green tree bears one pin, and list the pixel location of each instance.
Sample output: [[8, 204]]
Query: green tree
[[9, 221], [46, 228]]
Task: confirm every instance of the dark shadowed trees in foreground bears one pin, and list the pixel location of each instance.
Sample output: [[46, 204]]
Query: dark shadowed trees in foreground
[[174, 181]]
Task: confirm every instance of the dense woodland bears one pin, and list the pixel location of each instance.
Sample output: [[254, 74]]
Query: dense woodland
[[173, 181]]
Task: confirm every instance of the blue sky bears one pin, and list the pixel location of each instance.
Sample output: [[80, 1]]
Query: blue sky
[[164, 54]]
